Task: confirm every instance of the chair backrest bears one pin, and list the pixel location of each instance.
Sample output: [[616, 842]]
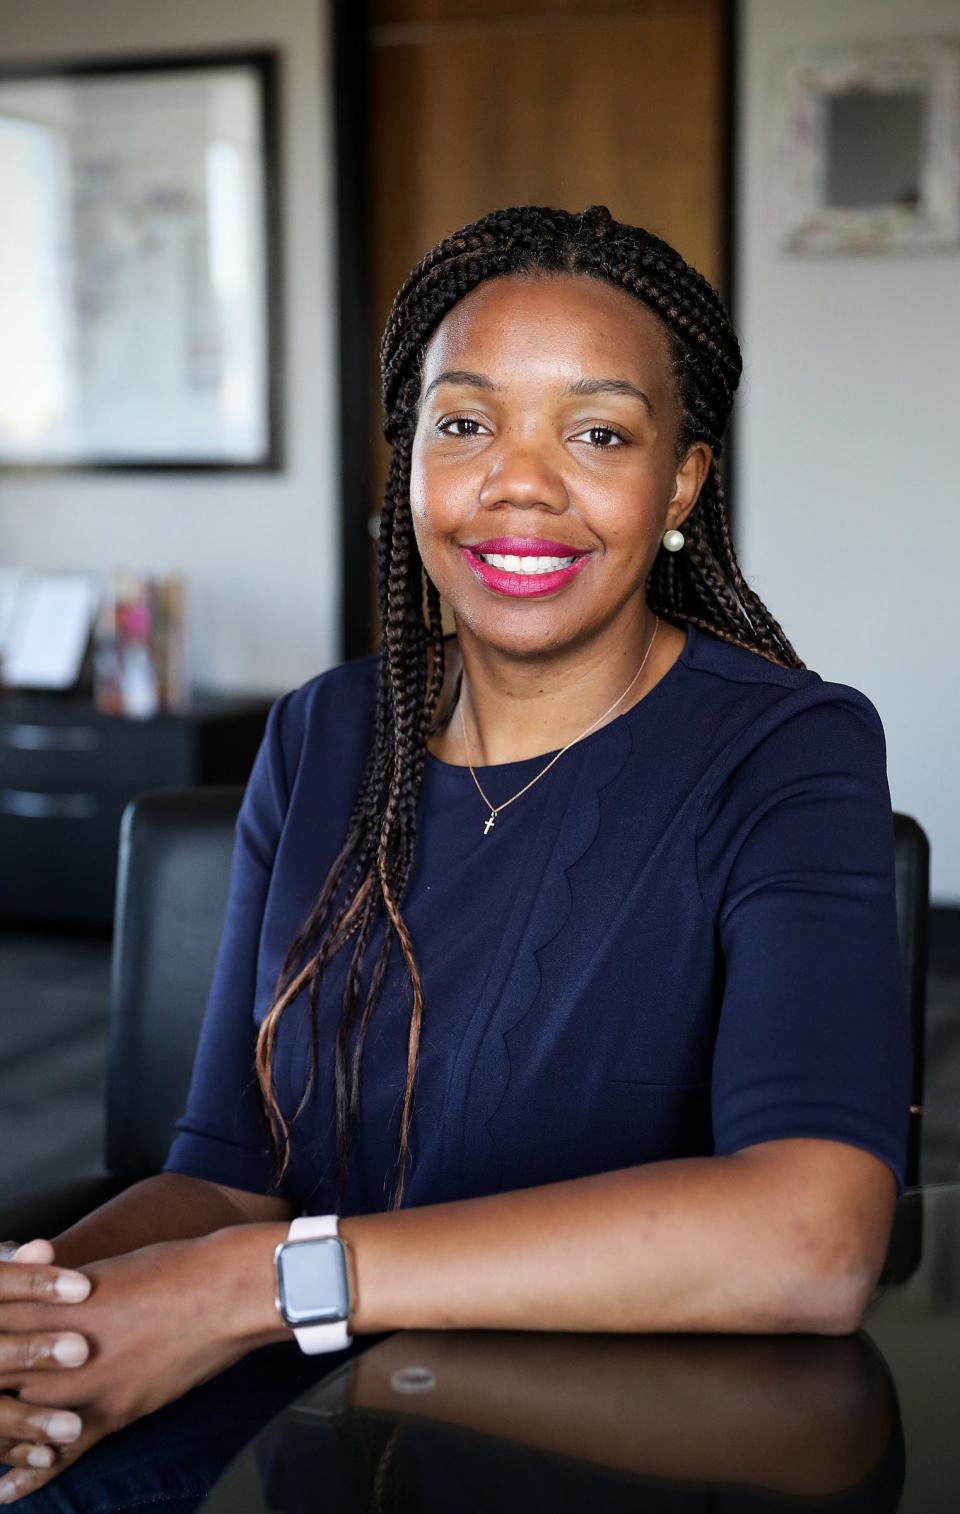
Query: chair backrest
[[913, 917], [176, 846]]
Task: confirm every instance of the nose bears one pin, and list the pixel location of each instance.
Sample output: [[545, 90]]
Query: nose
[[522, 474]]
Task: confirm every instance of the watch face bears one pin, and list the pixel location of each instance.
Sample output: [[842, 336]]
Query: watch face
[[312, 1282]]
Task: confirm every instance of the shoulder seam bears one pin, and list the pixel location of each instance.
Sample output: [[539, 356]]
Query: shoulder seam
[[780, 677], [833, 693]]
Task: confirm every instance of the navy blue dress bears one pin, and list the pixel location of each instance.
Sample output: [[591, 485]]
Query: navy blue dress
[[682, 941]]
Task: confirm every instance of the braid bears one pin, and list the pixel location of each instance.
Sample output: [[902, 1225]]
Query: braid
[[703, 586]]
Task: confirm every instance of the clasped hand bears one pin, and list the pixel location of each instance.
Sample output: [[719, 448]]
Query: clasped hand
[[89, 1350]]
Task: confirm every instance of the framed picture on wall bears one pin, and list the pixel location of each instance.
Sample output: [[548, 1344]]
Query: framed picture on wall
[[139, 265], [866, 149]]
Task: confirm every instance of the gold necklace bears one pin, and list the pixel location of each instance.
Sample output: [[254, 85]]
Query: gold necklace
[[496, 808]]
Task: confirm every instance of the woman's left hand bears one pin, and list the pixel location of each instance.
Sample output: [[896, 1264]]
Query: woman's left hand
[[158, 1321]]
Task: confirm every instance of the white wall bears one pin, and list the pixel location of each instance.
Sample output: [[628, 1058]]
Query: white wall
[[261, 552], [847, 489]]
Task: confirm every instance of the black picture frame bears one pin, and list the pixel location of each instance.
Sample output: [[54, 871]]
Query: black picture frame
[[264, 70]]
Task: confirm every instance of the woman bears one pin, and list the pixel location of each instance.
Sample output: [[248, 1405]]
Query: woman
[[561, 957]]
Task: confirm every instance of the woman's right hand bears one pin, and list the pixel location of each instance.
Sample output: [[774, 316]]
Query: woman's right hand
[[30, 1435]]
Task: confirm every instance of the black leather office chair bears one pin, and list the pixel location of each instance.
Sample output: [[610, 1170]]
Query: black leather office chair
[[174, 864], [172, 878]]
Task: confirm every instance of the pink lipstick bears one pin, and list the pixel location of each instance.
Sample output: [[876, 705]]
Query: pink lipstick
[[524, 567]]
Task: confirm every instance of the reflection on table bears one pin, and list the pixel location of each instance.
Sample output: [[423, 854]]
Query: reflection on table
[[552, 1422]]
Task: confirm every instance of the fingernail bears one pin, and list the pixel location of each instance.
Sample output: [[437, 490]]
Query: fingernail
[[60, 1426], [70, 1350], [72, 1286], [40, 1456], [8, 1490], [18, 1254]]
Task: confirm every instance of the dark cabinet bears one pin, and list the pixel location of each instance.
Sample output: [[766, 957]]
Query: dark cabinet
[[66, 773]]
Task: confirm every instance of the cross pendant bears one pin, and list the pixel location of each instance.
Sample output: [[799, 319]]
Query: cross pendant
[[490, 823]]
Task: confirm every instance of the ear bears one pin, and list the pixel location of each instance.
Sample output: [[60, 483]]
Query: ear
[[689, 479]]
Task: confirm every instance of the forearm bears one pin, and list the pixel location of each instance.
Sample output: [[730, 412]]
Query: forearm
[[741, 1243], [694, 1244], [167, 1207]]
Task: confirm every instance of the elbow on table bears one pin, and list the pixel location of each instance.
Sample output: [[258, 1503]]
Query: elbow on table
[[827, 1211], [829, 1300]]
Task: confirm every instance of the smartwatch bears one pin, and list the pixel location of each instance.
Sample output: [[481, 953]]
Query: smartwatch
[[313, 1285]]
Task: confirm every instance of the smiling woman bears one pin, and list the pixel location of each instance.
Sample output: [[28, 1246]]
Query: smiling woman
[[560, 983]]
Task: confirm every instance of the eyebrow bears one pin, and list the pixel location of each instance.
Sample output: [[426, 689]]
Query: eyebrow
[[460, 376], [612, 386], [584, 386]]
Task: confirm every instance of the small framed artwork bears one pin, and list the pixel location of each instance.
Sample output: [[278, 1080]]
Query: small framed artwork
[[866, 149], [139, 265]]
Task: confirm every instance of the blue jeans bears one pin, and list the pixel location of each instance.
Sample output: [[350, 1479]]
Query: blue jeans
[[169, 1460]]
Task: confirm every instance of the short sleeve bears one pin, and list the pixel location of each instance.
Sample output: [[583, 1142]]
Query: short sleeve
[[223, 1135], [795, 857]]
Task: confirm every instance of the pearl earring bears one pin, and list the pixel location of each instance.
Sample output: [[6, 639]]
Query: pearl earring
[[673, 540]]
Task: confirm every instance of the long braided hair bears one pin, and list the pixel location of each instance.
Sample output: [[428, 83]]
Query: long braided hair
[[703, 586]]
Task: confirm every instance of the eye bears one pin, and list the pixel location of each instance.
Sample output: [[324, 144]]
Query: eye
[[465, 424], [603, 438]]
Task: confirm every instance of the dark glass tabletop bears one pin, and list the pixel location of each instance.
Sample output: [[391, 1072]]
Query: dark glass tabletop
[[495, 1421]]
